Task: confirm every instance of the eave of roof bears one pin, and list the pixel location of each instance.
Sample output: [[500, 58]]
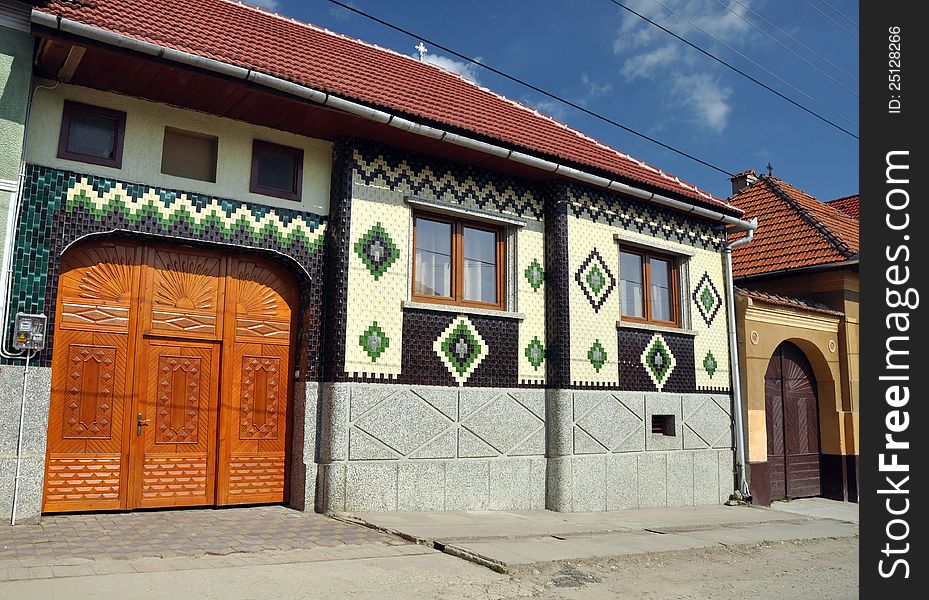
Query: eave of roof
[[779, 300]]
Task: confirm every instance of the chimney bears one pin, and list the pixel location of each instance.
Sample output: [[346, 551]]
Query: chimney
[[742, 180]]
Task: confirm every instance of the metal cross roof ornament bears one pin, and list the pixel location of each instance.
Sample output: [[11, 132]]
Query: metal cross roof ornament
[[770, 168], [421, 48]]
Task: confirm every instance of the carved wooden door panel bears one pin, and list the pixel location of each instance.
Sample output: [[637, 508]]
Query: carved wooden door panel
[[257, 383], [92, 369], [177, 394], [173, 437]]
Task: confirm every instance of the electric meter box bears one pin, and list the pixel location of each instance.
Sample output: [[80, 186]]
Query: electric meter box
[[29, 331]]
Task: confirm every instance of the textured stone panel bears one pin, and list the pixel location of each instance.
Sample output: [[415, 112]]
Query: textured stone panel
[[707, 424], [404, 422], [509, 484], [680, 479], [613, 425], [653, 483], [585, 444], [444, 400], [362, 446], [466, 485], [503, 423], [532, 400], [663, 404], [537, 469], [726, 474], [706, 477], [622, 481], [421, 486], [471, 446], [533, 446], [366, 397], [370, 486], [445, 445], [589, 480]]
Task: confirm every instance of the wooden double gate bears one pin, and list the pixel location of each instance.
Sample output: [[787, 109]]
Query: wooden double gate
[[792, 418], [171, 379]]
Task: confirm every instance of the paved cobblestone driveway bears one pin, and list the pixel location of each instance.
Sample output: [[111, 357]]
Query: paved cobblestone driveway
[[176, 533]]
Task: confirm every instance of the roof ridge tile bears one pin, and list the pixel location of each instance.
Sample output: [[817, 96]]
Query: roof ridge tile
[[839, 244]]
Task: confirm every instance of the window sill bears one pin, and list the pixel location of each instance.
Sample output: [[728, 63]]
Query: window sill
[[464, 310], [656, 328]]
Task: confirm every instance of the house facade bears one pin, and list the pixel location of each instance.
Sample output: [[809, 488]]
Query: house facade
[[798, 320], [282, 265]]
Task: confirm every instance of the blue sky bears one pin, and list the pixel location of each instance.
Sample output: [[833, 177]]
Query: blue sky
[[597, 55]]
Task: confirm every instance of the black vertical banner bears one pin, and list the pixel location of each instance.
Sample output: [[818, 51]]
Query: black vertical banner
[[895, 261]]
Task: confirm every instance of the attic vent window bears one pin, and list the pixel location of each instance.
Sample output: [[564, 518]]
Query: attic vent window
[[276, 170], [663, 425], [189, 154], [92, 134]]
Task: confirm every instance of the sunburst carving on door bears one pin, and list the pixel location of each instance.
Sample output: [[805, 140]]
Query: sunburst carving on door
[[103, 274], [260, 391], [89, 394], [178, 404], [187, 282]]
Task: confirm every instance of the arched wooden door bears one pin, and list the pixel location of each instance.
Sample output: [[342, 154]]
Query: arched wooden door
[[792, 417], [171, 379]]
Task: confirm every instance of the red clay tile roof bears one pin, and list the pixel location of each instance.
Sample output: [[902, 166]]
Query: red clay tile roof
[[787, 301], [849, 205], [256, 39], [794, 230]]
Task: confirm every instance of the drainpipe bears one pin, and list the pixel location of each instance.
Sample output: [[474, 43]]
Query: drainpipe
[[740, 462]]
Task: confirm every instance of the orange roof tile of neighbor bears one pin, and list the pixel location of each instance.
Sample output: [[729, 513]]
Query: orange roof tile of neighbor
[[794, 230], [849, 205], [253, 38], [788, 301]]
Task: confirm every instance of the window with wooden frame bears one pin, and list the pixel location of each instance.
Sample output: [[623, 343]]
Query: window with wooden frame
[[276, 170], [649, 283], [92, 134], [458, 262]]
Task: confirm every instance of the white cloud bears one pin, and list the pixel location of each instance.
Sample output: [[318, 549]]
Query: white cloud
[[465, 69], [272, 5], [678, 71], [703, 94]]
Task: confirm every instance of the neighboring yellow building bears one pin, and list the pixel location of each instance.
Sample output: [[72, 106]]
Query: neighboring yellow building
[[797, 319]]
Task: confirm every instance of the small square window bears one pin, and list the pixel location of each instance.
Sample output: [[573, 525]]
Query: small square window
[[189, 154], [92, 134], [276, 170], [663, 425]]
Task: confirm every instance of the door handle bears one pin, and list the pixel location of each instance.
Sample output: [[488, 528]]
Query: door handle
[[140, 423]]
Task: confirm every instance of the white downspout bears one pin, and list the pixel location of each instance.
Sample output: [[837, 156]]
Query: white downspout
[[740, 460]]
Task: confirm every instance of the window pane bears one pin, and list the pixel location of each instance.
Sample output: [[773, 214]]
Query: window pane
[[276, 170], [660, 280], [630, 276], [92, 135], [480, 265], [433, 258]]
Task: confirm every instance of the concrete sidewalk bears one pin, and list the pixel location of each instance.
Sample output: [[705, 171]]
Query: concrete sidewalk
[[502, 540]]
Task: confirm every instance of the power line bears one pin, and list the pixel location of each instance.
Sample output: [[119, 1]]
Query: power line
[[807, 48], [531, 86], [830, 19], [841, 14], [734, 68], [785, 46], [757, 64]]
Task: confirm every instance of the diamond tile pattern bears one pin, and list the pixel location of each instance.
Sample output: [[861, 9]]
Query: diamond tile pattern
[[707, 299], [658, 360], [596, 279], [461, 349]]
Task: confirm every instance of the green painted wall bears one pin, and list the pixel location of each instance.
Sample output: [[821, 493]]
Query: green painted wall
[[15, 75]]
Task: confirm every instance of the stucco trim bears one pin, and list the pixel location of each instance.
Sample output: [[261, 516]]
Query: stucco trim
[[792, 318]]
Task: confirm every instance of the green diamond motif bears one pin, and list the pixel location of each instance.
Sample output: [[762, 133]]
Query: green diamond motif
[[595, 279], [535, 352], [461, 349], [658, 361], [535, 275], [709, 363], [374, 341], [707, 299], [377, 250], [597, 355]]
